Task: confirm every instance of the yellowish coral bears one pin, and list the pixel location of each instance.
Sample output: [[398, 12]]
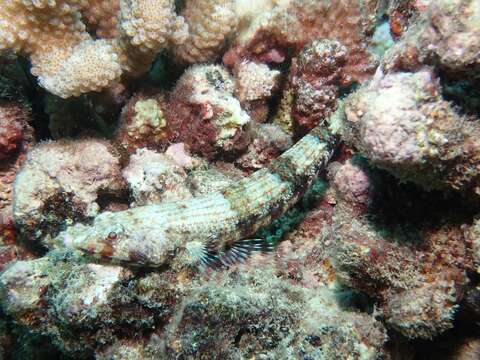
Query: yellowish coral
[[64, 57], [146, 27], [210, 24], [67, 61], [149, 117], [100, 16]]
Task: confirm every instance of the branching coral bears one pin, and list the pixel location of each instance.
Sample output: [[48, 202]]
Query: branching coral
[[210, 24], [64, 57], [100, 17], [67, 60], [146, 27]]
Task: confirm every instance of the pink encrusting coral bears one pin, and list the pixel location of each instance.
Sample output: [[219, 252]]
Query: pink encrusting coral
[[16, 138], [445, 34], [401, 123]]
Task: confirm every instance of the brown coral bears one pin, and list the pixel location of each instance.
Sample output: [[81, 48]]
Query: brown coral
[[315, 76], [16, 137], [100, 17]]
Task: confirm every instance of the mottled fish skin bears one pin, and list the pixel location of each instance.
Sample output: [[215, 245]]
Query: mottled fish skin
[[151, 235]]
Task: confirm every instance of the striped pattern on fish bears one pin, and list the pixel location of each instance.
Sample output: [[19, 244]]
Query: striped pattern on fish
[[152, 235]]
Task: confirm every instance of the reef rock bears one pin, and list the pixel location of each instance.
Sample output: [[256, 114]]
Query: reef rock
[[64, 181]]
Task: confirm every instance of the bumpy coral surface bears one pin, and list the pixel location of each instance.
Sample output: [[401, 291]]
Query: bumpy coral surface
[[316, 75], [401, 123], [154, 177], [67, 60], [415, 272], [62, 181], [64, 57], [254, 86], [210, 24], [100, 17], [146, 27], [293, 24], [16, 138], [143, 124], [204, 114], [445, 34], [293, 203]]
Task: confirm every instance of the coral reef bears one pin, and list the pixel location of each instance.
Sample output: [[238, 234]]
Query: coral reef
[[293, 24], [203, 317], [239, 179], [416, 273], [401, 123]]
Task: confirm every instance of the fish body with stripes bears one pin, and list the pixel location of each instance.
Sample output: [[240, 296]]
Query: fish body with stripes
[[216, 227]]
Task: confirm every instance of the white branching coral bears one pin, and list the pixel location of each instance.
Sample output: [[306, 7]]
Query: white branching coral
[[210, 24]]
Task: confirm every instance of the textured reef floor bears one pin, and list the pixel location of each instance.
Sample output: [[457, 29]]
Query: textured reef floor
[[240, 179]]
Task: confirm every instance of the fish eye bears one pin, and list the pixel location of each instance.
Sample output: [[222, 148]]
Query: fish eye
[[112, 235]]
